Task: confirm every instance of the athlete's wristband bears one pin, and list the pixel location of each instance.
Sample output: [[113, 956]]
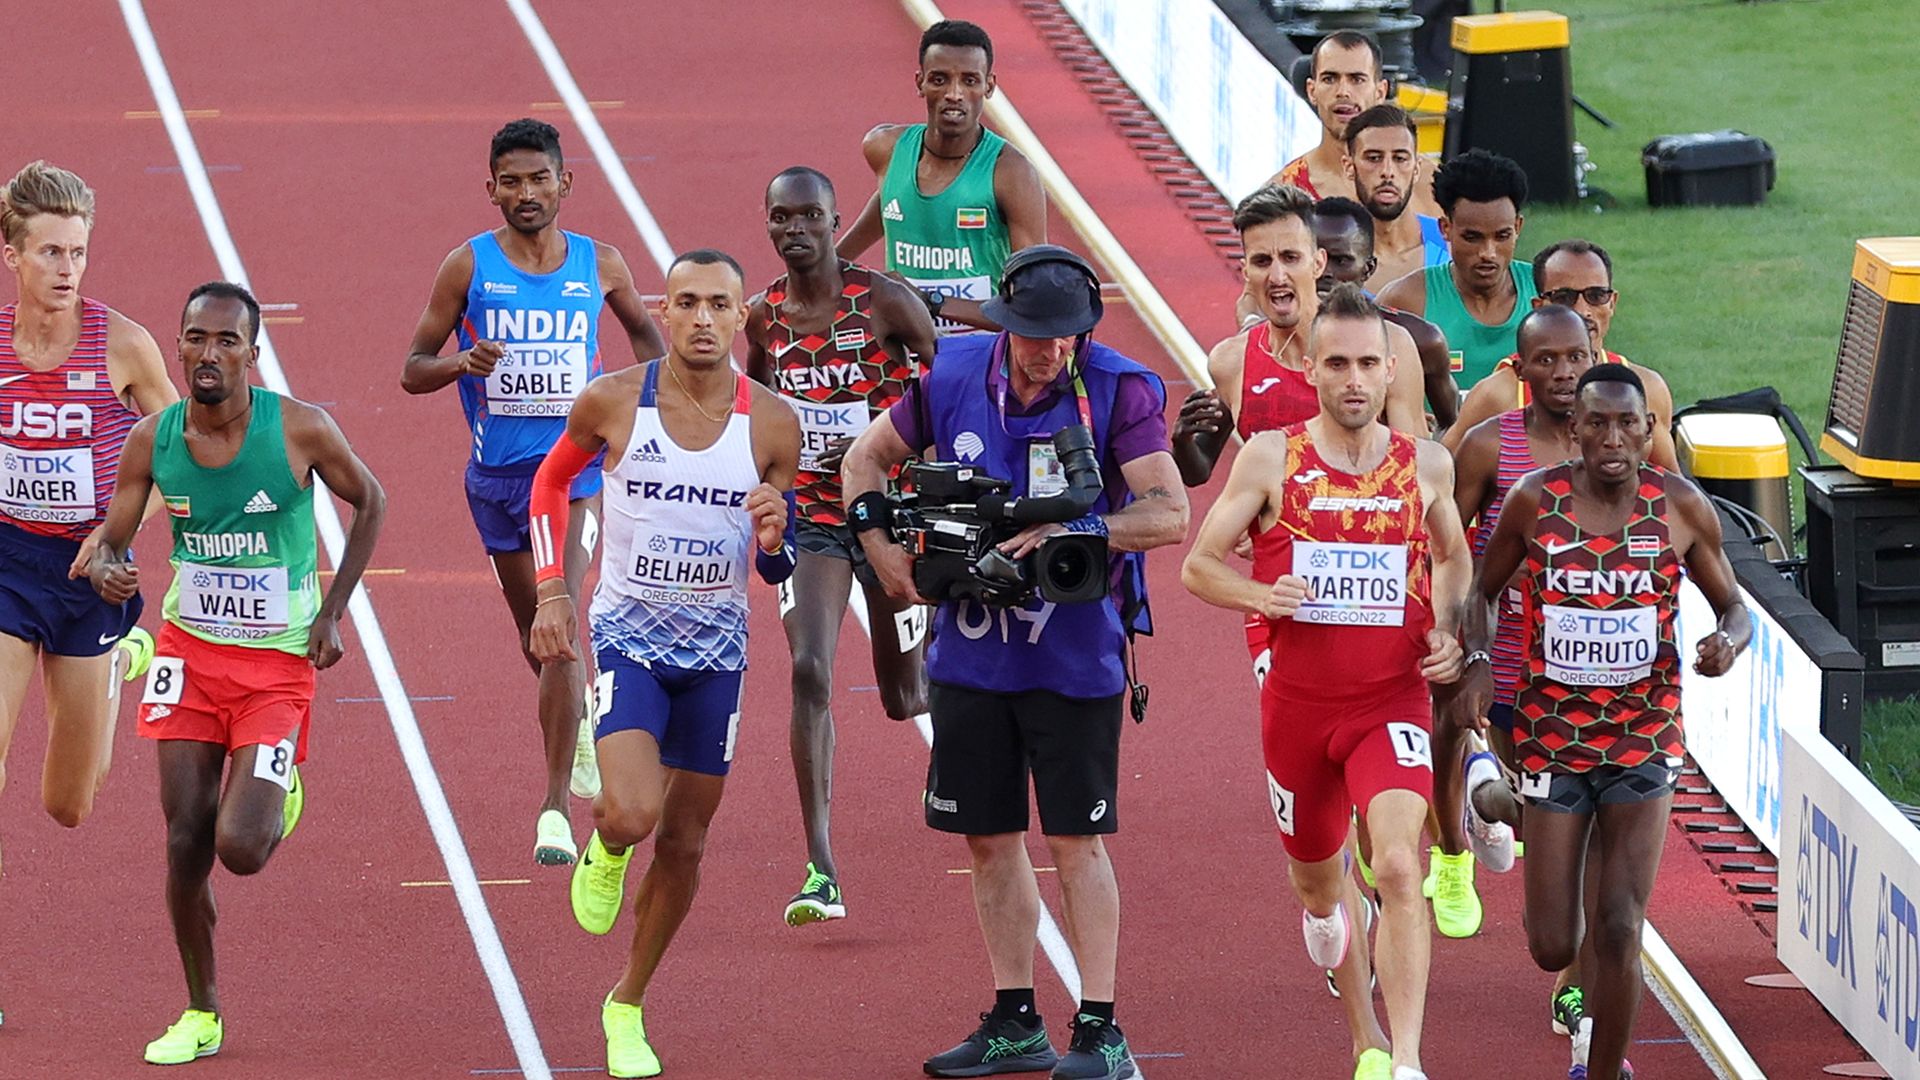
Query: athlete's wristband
[[870, 511], [1475, 657]]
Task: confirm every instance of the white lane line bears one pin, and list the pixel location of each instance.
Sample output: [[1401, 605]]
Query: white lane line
[[596, 136], [406, 728], [609, 161]]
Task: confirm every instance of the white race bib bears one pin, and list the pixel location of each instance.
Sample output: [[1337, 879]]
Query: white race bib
[[1585, 647], [47, 485], [821, 425], [1352, 584], [978, 289], [538, 378], [232, 602], [697, 570]]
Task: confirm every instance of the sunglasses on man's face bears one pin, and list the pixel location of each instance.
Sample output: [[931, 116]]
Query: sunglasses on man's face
[[1595, 296]]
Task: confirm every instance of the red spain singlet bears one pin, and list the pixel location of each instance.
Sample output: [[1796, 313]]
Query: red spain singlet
[[836, 381], [61, 432], [1602, 680], [1361, 543], [1272, 395]]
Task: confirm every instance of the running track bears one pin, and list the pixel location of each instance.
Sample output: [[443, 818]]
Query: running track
[[346, 145]]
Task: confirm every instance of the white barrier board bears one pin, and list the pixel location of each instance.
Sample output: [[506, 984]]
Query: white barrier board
[[1228, 108]]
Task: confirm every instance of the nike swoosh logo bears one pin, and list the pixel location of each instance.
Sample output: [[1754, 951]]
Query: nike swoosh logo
[[1555, 549], [108, 639], [11, 379]]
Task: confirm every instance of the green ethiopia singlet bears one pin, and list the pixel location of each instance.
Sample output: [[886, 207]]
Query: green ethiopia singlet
[[243, 551], [954, 242], [1474, 347]]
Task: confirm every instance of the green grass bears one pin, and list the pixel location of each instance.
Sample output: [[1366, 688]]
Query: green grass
[[1890, 748], [1723, 300]]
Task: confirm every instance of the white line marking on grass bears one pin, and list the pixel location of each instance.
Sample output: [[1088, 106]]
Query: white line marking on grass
[[406, 728], [1051, 940]]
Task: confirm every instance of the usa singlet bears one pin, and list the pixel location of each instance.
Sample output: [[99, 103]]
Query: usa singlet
[[673, 571], [550, 324], [1361, 543], [61, 432], [1272, 395], [1602, 681], [836, 382]]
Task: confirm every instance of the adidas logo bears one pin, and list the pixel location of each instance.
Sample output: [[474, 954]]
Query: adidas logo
[[649, 452], [892, 211], [260, 504]]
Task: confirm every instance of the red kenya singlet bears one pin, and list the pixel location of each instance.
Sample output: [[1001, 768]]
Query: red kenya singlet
[[61, 432], [836, 381], [1361, 543], [1602, 681], [1272, 395]]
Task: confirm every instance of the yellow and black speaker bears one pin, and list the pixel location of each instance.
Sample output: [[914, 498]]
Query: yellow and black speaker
[[1512, 94], [1873, 415]]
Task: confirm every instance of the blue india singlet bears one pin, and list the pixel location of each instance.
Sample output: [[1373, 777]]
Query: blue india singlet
[[550, 324]]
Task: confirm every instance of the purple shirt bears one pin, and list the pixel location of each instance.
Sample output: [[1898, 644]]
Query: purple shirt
[[1139, 427]]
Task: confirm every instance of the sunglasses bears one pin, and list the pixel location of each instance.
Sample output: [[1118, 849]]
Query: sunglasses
[[1595, 296]]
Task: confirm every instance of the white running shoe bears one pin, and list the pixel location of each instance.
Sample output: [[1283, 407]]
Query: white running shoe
[[1491, 841], [553, 840], [1326, 937], [1408, 1072], [586, 760]]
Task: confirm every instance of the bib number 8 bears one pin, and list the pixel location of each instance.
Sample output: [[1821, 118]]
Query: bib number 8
[[274, 764], [166, 680]]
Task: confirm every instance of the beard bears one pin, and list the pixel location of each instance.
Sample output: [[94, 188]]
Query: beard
[[1386, 213]]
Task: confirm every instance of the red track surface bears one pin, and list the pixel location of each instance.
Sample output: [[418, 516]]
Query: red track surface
[[348, 153]]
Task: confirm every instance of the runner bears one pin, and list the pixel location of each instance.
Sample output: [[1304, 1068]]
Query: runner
[[523, 301], [1353, 524], [1383, 163], [1345, 230], [840, 343], [1491, 459], [246, 627], [75, 375], [702, 468], [1478, 298], [954, 199], [1600, 542], [1576, 274], [1347, 81]]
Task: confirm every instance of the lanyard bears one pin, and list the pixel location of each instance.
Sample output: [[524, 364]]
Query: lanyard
[[1006, 380]]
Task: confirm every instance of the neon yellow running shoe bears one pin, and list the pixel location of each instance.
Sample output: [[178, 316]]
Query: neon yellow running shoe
[[197, 1034], [1366, 872], [1456, 907], [1433, 868], [627, 1051], [585, 781], [294, 805], [1373, 1065], [138, 645], [599, 887]]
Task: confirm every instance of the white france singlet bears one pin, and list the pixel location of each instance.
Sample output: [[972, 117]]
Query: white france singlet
[[673, 572]]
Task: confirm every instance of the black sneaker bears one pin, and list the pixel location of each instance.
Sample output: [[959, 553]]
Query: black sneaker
[[1569, 1005], [1099, 1052], [999, 1046]]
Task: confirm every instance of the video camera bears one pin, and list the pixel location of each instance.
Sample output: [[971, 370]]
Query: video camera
[[956, 516]]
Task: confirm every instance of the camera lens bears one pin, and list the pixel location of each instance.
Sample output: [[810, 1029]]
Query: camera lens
[[1069, 568]]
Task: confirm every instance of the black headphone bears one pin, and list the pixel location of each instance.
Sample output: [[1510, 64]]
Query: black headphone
[[1046, 253]]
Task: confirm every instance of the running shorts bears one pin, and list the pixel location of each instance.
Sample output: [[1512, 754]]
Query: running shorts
[[499, 495], [1602, 785], [1326, 759], [40, 604], [228, 694], [693, 714], [835, 542]]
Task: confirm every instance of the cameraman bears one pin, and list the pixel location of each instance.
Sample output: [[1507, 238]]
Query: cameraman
[[1034, 688]]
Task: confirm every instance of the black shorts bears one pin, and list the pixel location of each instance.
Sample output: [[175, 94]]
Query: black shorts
[[1602, 785], [41, 605], [985, 744], [836, 542]]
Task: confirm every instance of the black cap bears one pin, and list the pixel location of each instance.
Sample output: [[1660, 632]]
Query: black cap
[[1046, 292]]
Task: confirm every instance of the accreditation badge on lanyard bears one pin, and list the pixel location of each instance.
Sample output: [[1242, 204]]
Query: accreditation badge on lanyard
[[1046, 477]]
